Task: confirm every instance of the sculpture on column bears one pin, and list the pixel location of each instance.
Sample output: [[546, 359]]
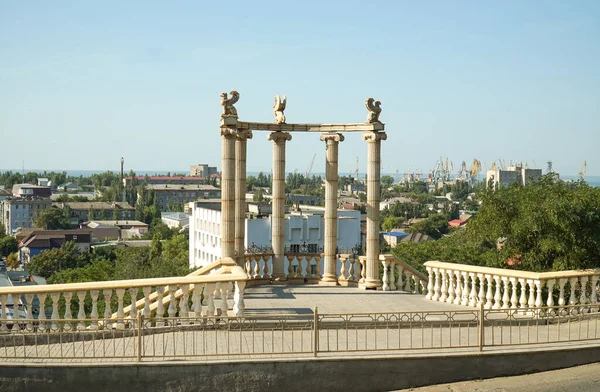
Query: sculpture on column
[[278, 109], [227, 103], [374, 109]]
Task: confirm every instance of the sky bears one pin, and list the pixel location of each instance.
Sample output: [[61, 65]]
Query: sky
[[84, 83]]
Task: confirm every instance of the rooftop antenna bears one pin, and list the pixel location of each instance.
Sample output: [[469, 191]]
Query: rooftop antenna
[[549, 169], [122, 186]]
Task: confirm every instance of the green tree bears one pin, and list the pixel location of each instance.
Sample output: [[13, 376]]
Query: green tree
[[392, 222], [8, 245], [386, 182], [12, 260], [51, 219], [53, 260], [435, 226]]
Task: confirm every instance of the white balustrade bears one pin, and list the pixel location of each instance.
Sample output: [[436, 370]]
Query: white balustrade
[[497, 288], [76, 307], [400, 276]]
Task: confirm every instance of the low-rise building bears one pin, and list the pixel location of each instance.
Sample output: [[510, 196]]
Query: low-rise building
[[175, 219], [153, 180], [304, 230], [19, 212], [512, 175], [41, 240], [28, 190], [80, 211], [165, 194], [128, 228]]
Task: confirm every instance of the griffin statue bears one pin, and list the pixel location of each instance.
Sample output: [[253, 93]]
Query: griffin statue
[[227, 103], [374, 109], [278, 109]]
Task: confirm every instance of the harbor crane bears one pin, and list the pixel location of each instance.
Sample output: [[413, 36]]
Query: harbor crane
[[583, 170]]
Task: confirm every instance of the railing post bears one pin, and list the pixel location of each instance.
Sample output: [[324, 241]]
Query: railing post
[[481, 325], [316, 331], [139, 333]]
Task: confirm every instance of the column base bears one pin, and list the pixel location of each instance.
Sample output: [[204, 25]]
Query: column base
[[328, 280], [279, 279], [370, 284]]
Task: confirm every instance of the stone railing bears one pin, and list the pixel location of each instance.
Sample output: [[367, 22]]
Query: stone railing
[[497, 288], [221, 266], [398, 275], [298, 267], [64, 305]]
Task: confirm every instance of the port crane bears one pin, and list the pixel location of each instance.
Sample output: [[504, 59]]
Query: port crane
[[583, 170]]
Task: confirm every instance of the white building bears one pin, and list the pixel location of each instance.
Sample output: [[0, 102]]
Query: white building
[[175, 219], [513, 174], [302, 229]]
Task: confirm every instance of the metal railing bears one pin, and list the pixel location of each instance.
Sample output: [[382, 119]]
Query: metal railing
[[219, 337]]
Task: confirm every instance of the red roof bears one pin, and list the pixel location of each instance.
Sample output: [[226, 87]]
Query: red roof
[[457, 222]]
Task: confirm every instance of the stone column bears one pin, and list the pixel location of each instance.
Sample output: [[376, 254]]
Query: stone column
[[278, 202], [373, 198], [228, 136], [332, 141], [240, 194]]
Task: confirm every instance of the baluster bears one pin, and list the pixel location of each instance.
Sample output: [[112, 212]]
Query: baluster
[[430, 292], [238, 298], [531, 302], [269, 266], [223, 305], [147, 290], [407, 287], [249, 267], [363, 269], [42, 315], [386, 285], [561, 291], [305, 262], [3, 317], [94, 313], [473, 292], [436, 285], [172, 310], [120, 311], [133, 308], [28, 312], [505, 297], [197, 299], [458, 292], [593, 294], [451, 286], [210, 301], [513, 298], [538, 293], [416, 281], [183, 302], [289, 268], [392, 277], [481, 294], [107, 294], [444, 286], [497, 295], [257, 267], [523, 297], [583, 297], [351, 272], [318, 267], [81, 314], [572, 296], [489, 296], [465, 292], [263, 267], [160, 309], [68, 317], [343, 272], [550, 300]]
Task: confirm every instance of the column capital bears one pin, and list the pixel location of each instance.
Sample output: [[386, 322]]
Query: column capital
[[371, 136], [228, 133], [279, 137], [332, 137], [244, 134]]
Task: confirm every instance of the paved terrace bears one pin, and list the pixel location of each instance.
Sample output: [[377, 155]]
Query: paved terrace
[[302, 299]]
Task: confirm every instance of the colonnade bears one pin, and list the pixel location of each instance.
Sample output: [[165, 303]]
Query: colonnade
[[235, 135]]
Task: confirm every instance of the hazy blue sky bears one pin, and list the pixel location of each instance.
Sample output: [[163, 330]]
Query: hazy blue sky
[[84, 83]]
